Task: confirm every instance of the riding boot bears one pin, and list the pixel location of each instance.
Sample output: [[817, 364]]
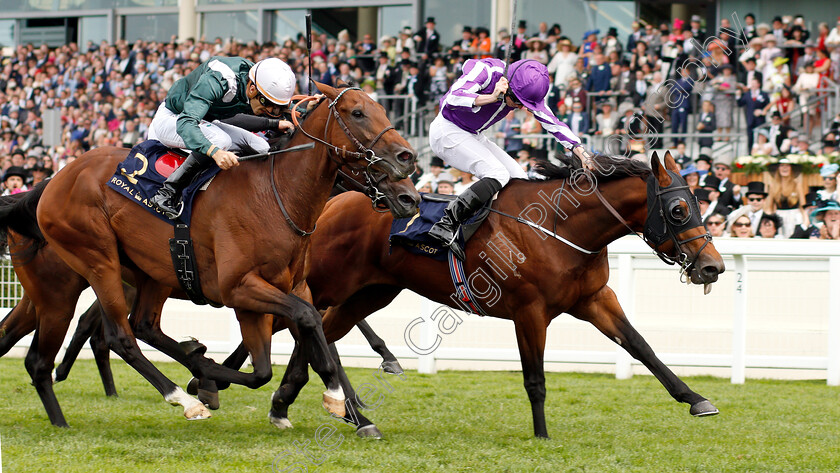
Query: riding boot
[[168, 197], [460, 210]]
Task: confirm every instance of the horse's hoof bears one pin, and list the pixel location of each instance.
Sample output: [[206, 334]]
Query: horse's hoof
[[192, 386], [193, 347], [209, 398], [369, 432], [392, 367], [197, 412], [703, 408], [333, 404], [281, 423]]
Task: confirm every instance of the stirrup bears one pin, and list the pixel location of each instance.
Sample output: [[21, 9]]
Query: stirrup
[[168, 213]]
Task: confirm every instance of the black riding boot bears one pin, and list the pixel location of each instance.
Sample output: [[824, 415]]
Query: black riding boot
[[168, 198], [460, 210]]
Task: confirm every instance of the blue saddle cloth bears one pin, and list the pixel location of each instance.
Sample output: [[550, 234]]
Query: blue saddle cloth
[[412, 233], [139, 178]]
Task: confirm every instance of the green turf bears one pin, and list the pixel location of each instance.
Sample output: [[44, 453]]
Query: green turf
[[452, 421]]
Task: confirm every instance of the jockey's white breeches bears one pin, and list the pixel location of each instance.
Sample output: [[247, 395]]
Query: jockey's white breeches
[[472, 153], [228, 137]]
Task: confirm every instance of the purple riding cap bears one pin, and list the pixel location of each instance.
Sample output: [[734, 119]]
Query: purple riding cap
[[528, 80]]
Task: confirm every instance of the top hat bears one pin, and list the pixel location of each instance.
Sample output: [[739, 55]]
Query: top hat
[[466, 29], [436, 161], [16, 171], [755, 187], [430, 19], [522, 24], [712, 182], [702, 195]]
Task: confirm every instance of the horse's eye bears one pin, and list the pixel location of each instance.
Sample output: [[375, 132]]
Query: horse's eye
[[356, 113]]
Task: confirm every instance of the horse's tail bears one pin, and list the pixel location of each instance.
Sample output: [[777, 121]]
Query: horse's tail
[[17, 213]]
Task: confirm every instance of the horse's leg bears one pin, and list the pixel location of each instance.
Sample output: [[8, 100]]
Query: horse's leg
[[604, 312], [40, 362], [390, 364], [18, 323], [338, 320], [530, 336], [102, 356], [89, 322], [364, 427]]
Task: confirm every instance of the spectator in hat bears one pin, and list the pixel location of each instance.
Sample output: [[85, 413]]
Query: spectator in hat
[[692, 176], [703, 202], [756, 200], [786, 194], [519, 39], [762, 146], [768, 226], [436, 173], [427, 39], [445, 188], [704, 164], [39, 173], [500, 51], [14, 180], [805, 86], [482, 45], [562, 64], [536, 50], [740, 228], [829, 177], [712, 184], [405, 41], [716, 225], [730, 194], [805, 230], [696, 31], [829, 215]]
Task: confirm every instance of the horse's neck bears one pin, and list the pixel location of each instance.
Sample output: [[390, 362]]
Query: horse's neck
[[304, 179], [591, 224]]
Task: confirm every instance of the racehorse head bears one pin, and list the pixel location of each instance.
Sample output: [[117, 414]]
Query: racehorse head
[[674, 228], [400, 197], [368, 142]]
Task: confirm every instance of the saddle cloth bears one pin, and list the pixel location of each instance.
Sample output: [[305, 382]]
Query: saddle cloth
[[145, 168], [412, 233]]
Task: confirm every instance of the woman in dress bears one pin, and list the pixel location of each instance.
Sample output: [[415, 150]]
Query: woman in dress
[[786, 194], [724, 86], [562, 65]]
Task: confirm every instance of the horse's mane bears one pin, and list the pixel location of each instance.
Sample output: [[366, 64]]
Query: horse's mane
[[607, 168]]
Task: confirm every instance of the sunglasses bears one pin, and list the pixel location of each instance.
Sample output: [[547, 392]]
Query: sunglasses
[[755, 199], [829, 178], [710, 222], [272, 108], [741, 224], [513, 99]]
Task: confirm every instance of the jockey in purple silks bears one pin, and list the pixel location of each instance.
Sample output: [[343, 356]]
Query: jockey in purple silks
[[478, 99]]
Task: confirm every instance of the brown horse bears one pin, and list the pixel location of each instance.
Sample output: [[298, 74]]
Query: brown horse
[[528, 276], [252, 254]]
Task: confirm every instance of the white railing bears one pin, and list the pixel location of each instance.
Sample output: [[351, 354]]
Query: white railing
[[775, 312]]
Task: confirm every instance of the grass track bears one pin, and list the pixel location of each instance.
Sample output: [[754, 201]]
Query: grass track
[[453, 421]]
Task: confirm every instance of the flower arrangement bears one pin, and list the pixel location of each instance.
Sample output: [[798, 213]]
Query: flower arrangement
[[752, 164], [810, 164]]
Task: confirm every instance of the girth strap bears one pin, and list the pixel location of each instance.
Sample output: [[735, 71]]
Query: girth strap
[[183, 259]]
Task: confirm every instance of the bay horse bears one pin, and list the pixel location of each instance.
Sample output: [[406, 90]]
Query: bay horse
[[252, 254], [535, 276]]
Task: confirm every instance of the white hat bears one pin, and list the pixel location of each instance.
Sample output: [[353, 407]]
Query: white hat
[[274, 79]]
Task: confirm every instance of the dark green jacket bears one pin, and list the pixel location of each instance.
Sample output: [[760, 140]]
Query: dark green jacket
[[213, 91]]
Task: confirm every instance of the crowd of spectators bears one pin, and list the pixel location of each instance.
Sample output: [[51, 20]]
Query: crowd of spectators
[[603, 85]]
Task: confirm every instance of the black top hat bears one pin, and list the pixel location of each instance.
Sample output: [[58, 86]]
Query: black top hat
[[522, 24], [436, 161], [467, 29], [383, 54], [612, 32], [430, 19], [712, 182], [775, 114], [702, 195], [16, 171], [812, 199], [777, 18], [704, 157], [406, 62], [755, 187]]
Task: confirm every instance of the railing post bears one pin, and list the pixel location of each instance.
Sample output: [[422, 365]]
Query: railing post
[[833, 375], [428, 334], [739, 322], [627, 298]]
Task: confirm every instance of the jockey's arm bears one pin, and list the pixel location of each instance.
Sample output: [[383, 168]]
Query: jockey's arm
[[564, 135], [257, 123]]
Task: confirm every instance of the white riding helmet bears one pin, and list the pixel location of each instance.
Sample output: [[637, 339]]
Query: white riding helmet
[[274, 79]]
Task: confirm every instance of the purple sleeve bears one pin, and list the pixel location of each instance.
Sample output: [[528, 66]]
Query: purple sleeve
[[476, 77], [560, 130]]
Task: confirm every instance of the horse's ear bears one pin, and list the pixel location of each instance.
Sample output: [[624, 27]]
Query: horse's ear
[[330, 92], [659, 170], [670, 162]]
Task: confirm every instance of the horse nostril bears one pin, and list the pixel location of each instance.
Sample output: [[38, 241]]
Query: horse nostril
[[405, 156], [407, 199], [709, 272]]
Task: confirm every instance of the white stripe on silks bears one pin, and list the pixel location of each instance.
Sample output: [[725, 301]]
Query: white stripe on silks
[[492, 117], [553, 127], [229, 76]]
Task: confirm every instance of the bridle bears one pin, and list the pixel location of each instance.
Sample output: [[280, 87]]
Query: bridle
[[665, 220], [349, 181], [373, 176]]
